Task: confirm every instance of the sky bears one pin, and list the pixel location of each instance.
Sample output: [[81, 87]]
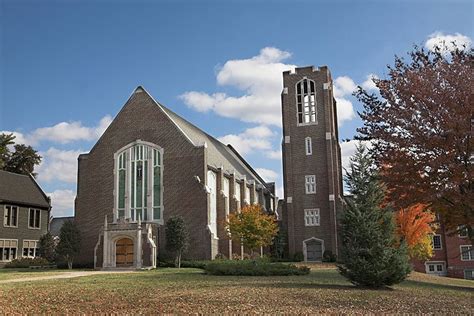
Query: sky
[[67, 67]]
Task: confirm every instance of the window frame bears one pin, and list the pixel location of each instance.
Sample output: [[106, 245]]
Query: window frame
[[35, 218], [151, 156], [460, 230], [440, 242], [308, 144], [301, 103], [11, 206], [435, 265], [314, 214], [469, 253], [310, 186], [3, 247], [35, 249]]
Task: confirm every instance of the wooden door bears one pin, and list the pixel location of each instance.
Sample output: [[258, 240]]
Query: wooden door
[[124, 252], [314, 250]]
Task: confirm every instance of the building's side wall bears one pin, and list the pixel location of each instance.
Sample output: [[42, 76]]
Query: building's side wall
[[141, 119], [22, 231], [449, 255], [324, 162]]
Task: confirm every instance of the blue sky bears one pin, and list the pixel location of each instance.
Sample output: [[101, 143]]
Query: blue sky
[[67, 67]]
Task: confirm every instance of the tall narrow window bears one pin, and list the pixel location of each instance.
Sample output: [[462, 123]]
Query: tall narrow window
[[139, 182], [10, 216], [247, 195], [226, 191], [34, 218], [212, 185], [156, 184], [310, 184], [308, 146], [238, 195], [436, 242], [306, 101], [121, 183]]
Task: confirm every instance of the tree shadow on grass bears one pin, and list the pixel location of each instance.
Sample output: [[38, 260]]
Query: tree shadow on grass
[[329, 286], [428, 285]]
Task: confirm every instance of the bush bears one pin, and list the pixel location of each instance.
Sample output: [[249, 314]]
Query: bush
[[220, 256], [298, 257], [198, 264], [253, 268], [328, 256], [27, 262]]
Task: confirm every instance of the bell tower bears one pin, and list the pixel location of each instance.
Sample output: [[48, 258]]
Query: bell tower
[[312, 172]]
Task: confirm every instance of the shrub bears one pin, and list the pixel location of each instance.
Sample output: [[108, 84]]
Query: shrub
[[328, 256], [235, 256], [298, 257], [253, 268], [47, 247], [27, 262], [220, 256]]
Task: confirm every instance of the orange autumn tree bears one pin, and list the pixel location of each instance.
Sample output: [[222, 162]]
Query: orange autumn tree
[[415, 226], [252, 227]]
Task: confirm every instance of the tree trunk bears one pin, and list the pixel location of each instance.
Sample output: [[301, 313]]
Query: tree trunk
[[179, 260], [69, 263]]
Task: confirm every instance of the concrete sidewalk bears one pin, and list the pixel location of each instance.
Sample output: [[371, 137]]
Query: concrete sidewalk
[[65, 275]]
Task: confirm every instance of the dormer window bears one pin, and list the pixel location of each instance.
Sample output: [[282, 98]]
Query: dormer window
[[306, 101]]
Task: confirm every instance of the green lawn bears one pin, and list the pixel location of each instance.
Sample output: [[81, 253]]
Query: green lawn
[[190, 291], [8, 274]]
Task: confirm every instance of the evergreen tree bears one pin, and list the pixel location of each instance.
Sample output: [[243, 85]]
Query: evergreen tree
[[69, 242], [47, 247], [177, 237], [371, 254]]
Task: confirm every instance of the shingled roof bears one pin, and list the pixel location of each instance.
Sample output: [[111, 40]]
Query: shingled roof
[[21, 189], [219, 154]]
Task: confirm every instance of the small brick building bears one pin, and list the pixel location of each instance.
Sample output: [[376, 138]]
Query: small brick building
[[453, 256], [312, 169], [151, 164]]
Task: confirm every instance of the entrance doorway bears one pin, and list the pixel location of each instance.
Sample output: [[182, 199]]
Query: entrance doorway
[[124, 252], [314, 249]]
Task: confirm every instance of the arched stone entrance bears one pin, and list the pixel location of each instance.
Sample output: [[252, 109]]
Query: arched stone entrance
[[313, 249], [124, 252]]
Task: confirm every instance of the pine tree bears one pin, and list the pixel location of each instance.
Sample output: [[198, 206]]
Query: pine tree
[[47, 247], [177, 237], [371, 254]]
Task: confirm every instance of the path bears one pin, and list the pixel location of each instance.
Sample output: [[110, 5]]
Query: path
[[64, 275]]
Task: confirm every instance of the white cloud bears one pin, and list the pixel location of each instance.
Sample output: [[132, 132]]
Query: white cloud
[[275, 154], [62, 202], [267, 174], [64, 132], [440, 39], [344, 87], [369, 84], [255, 138], [347, 151], [259, 77], [58, 165]]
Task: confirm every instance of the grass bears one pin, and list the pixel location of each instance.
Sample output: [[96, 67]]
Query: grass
[[170, 290], [9, 274]]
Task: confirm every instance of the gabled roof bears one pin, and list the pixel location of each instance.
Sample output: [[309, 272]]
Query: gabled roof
[[219, 155], [57, 223], [21, 189]]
